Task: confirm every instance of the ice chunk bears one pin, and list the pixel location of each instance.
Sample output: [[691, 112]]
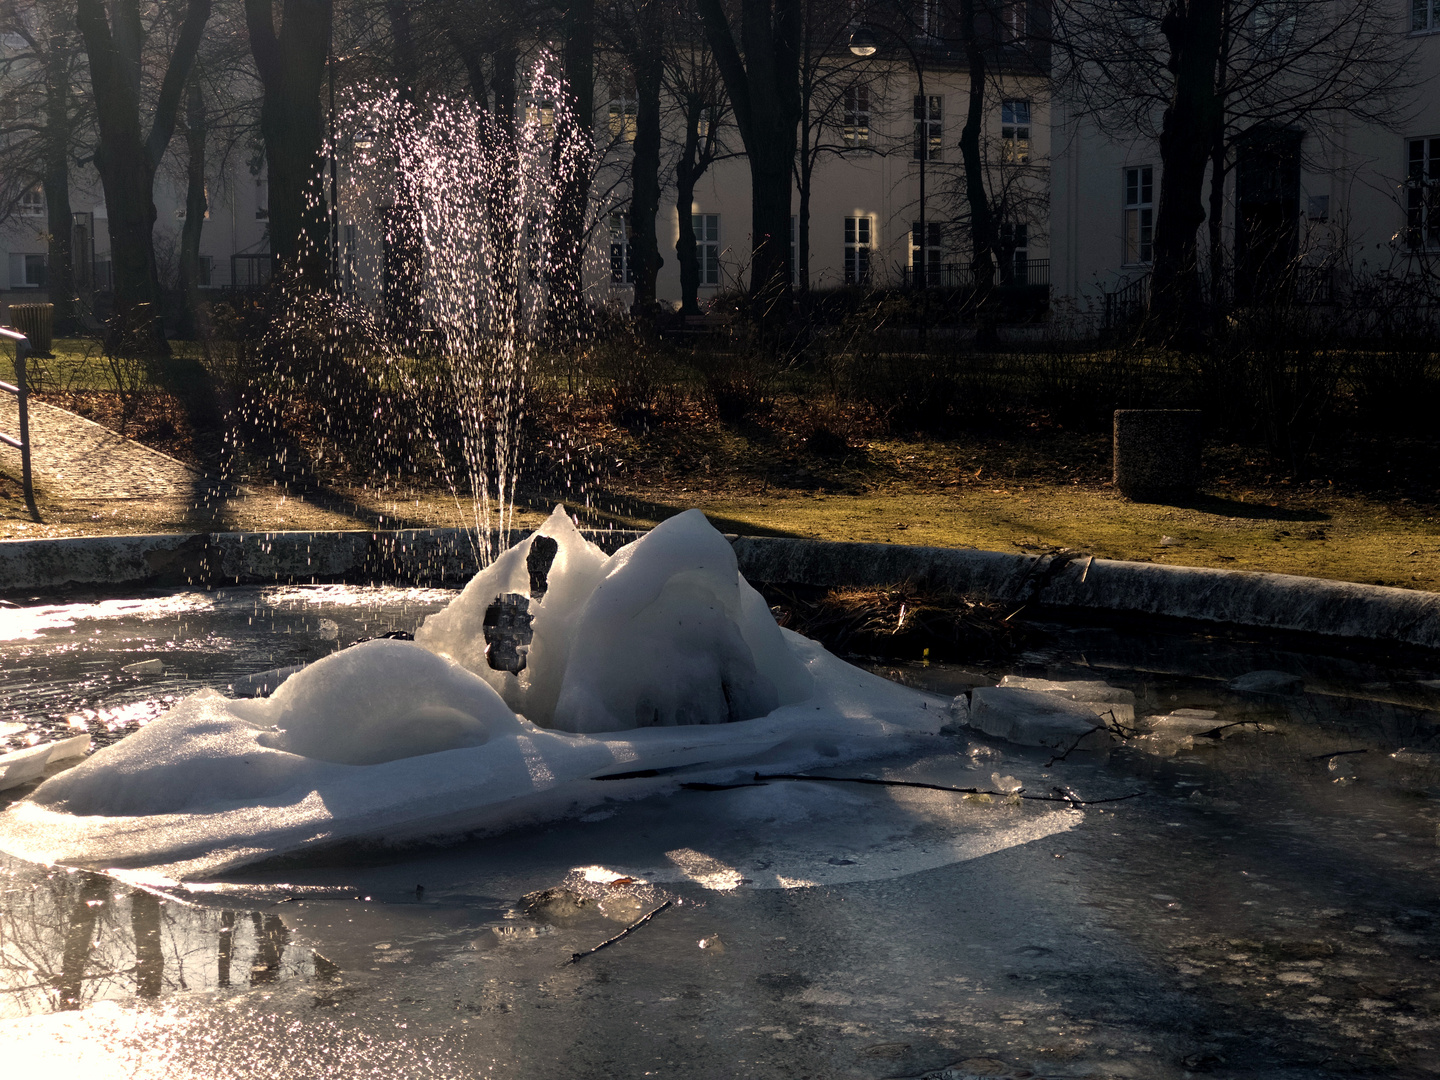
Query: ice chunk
[[1183, 722], [30, 764], [1090, 690], [145, 667], [263, 684], [568, 571], [1007, 785], [1268, 682], [672, 635], [378, 701], [1033, 718]]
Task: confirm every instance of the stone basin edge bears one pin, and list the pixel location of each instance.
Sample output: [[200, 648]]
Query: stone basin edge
[[1247, 598]]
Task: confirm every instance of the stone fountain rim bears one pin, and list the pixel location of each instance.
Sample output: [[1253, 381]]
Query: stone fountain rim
[[1067, 580]]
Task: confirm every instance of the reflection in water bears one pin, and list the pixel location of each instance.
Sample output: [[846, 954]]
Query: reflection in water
[[149, 960], [271, 936], [69, 939], [94, 892], [227, 934]]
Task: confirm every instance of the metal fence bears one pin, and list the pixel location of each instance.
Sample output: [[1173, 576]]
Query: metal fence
[[22, 394], [1023, 273]]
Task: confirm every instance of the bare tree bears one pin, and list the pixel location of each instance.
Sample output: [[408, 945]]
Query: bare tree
[[290, 60], [1204, 77], [695, 86], [127, 156], [47, 125], [761, 73]]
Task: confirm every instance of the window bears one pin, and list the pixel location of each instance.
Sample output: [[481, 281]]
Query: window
[[1424, 16], [1275, 22], [622, 119], [1422, 194], [1015, 241], [930, 18], [857, 251], [1317, 208], [32, 203], [929, 125], [1139, 224], [707, 249], [856, 130], [622, 250], [1015, 132], [542, 113], [1013, 20], [27, 271], [927, 252]]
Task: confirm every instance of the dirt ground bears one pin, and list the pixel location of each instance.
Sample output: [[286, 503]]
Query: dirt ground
[[1035, 491]]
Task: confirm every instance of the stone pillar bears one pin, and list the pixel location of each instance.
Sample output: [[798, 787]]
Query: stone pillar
[[1157, 453]]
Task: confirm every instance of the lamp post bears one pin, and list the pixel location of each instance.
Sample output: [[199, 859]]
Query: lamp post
[[863, 44]]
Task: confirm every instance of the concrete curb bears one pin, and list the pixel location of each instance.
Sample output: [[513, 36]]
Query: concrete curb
[[446, 557]]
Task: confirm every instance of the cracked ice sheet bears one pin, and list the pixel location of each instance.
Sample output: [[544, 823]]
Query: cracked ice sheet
[[842, 836], [529, 775]]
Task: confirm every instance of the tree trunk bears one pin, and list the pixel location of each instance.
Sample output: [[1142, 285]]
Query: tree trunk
[[688, 171], [982, 218], [126, 159], [197, 131], [56, 182], [645, 167], [292, 123], [764, 89], [1193, 30]]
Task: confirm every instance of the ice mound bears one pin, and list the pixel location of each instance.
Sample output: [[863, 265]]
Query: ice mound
[[555, 667], [665, 632]]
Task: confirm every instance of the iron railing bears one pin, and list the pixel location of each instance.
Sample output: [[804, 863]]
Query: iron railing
[[1023, 273], [22, 394], [1127, 303]]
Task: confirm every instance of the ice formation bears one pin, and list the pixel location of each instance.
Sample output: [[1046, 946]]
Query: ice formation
[[556, 665]]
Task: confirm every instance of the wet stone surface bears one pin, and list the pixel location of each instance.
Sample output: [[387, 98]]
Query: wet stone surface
[[1267, 908]]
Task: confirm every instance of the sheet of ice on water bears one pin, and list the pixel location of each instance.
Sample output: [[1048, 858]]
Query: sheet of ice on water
[[660, 657]]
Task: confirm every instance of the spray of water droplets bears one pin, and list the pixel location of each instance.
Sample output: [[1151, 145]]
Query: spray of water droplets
[[456, 239]]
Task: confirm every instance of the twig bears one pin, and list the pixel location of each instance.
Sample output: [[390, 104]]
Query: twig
[[1078, 740], [623, 933], [761, 778], [1337, 753]]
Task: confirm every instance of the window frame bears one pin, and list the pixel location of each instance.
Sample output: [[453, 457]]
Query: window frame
[[622, 118], [929, 139], [707, 249], [859, 246], [25, 262], [931, 252], [855, 110], [1426, 12], [1422, 194], [622, 249], [32, 203], [1142, 206], [1015, 145]]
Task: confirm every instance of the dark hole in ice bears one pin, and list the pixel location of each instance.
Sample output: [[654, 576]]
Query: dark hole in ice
[[539, 560], [508, 632]]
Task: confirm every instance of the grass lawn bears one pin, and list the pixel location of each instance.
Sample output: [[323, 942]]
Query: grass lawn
[[1036, 489]]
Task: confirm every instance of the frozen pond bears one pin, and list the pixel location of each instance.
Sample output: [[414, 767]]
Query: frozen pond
[[1267, 907]]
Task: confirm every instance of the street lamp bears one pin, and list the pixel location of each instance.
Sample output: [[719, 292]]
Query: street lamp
[[863, 44]]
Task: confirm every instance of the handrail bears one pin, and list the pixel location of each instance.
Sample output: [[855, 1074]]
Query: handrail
[[22, 393]]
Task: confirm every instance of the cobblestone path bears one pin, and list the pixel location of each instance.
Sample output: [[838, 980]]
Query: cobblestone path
[[76, 458]]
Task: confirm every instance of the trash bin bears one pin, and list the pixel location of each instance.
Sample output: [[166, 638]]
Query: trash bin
[[36, 322], [1157, 453]]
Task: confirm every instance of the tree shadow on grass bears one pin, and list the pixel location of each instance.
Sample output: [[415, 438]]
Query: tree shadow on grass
[[609, 510], [1220, 506]]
